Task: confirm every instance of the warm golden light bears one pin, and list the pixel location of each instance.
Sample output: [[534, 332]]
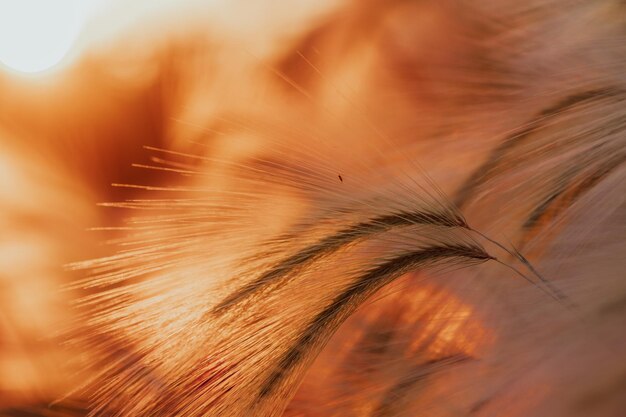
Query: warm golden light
[[36, 35], [320, 208]]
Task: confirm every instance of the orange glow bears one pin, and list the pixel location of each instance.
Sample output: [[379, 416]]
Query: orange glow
[[451, 327], [208, 206]]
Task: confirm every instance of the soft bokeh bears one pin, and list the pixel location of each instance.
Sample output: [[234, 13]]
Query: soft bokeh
[[177, 149]]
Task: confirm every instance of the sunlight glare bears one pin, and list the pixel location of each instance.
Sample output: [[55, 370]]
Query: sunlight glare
[[35, 35]]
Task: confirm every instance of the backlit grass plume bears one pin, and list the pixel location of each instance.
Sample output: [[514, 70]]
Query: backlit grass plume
[[397, 208]]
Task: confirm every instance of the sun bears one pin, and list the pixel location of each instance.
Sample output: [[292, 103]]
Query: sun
[[35, 35]]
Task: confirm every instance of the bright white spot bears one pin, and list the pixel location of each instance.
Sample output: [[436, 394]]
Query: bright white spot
[[35, 35]]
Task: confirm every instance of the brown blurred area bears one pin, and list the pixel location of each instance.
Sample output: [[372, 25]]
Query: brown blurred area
[[65, 137]]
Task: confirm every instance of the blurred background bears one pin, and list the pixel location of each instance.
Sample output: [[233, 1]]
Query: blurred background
[[84, 84]]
